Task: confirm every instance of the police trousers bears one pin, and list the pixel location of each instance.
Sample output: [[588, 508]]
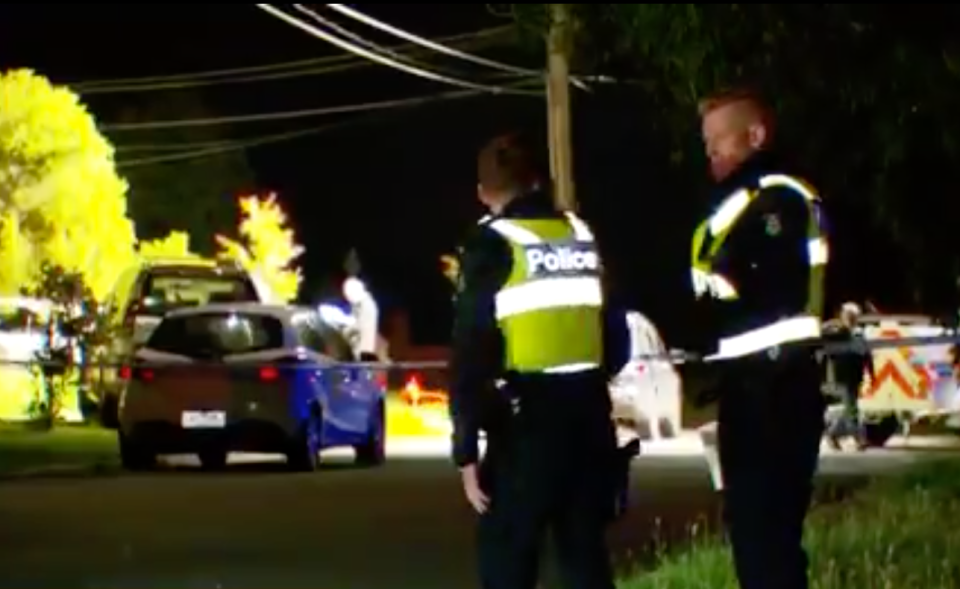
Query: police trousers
[[549, 474], [770, 423]]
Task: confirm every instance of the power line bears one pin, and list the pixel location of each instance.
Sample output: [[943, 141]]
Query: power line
[[199, 83], [287, 115], [297, 114], [197, 150], [446, 49], [426, 43], [225, 147], [373, 56], [362, 41], [185, 146], [80, 86], [333, 65]]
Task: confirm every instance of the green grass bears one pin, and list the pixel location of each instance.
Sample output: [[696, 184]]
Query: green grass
[[898, 533], [24, 449]]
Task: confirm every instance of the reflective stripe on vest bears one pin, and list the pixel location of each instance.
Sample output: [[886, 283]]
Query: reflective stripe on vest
[[707, 242], [549, 309]]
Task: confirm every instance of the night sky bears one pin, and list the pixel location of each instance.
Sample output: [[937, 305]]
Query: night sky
[[398, 186]]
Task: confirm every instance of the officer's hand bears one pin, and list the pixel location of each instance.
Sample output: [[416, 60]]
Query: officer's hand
[[471, 487]]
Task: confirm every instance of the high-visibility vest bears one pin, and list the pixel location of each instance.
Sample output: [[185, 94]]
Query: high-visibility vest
[[549, 308], [707, 242]]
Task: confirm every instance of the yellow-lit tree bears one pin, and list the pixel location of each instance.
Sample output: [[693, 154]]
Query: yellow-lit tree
[[61, 199], [267, 246], [175, 245]]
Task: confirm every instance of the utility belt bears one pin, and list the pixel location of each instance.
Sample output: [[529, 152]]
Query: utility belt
[[552, 386], [769, 341]]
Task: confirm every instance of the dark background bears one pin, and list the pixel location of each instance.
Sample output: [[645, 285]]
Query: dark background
[[397, 186]]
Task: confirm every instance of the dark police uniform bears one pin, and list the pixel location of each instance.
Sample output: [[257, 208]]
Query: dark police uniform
[[533, 350], [758, 265]]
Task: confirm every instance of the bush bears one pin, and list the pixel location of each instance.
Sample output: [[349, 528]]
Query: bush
[[898, 533]]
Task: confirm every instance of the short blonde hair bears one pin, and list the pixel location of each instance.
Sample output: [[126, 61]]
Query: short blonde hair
[[748, 97]]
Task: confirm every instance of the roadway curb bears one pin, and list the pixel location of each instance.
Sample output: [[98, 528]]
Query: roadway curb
[[62, 471]]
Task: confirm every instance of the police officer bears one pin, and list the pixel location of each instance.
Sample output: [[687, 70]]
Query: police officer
[[532, 355], [758, 264]]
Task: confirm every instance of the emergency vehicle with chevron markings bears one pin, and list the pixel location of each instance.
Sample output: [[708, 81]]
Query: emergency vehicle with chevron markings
[[912, 384]]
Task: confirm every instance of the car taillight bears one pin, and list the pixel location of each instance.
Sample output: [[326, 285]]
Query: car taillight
[[268, 374], [142, 374], [380, 377]]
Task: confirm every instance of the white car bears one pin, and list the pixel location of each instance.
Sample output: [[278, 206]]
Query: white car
[[23, 338], [150, 289], [647, 394]]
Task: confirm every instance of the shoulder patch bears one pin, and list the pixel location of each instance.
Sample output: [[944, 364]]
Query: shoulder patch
[[772, 224], [450, 265]]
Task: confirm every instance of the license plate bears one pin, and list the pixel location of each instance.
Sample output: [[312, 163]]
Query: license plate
[[203, 419]]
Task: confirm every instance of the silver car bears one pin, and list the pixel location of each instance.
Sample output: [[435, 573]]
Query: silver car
[[647, 394]]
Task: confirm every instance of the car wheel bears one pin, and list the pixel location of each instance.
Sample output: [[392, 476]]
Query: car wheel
[[373, 451], [135, 456], [213, 458], [110, 412], [877, 434], [304, 452], [642, 427], [668, 429]]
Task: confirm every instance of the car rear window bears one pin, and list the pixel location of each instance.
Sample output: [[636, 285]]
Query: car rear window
[[166, 290], [216, 335]]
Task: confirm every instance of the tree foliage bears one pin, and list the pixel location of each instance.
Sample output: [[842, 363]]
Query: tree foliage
[[175, 245], [864, 92], [267, 246], [61, 200]]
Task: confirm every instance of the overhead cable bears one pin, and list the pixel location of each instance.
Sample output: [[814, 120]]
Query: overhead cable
[[427, 43], [174, 146], [383, 60], [298, 114], [225, 147], [263, 73], [446, 49], [362, 41]]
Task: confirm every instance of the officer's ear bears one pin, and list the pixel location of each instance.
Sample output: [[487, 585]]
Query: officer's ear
[[758, 135]]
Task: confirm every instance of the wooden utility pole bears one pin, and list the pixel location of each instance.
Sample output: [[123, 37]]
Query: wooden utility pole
[[558, 106]]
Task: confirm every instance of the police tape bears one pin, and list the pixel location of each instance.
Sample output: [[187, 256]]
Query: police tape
[[823, 348]]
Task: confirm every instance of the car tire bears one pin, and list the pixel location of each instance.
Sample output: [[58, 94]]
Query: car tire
[[668, 429], [373, 451], [110, 412], [643, 428], [135, 456], [877, 434], [213, 459], [304, 452]]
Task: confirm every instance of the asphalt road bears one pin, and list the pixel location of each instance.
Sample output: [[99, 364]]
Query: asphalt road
[[403, 525]]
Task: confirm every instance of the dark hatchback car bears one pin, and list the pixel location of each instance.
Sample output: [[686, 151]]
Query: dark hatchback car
[[227, 378]]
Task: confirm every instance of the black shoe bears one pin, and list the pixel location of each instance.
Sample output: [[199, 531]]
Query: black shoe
[[835, 443]]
